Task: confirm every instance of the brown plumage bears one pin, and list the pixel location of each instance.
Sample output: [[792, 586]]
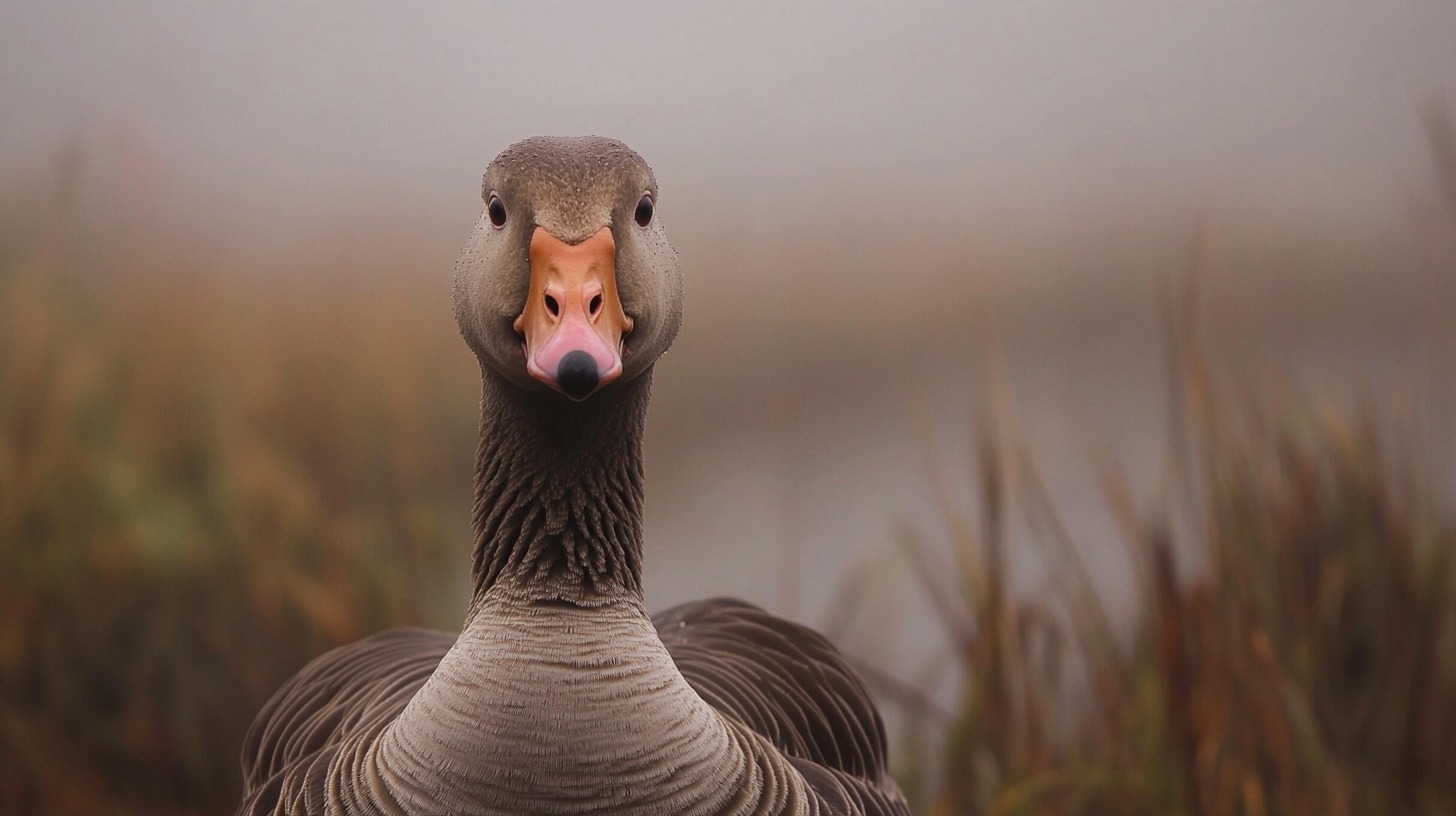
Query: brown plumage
[[561, 695]]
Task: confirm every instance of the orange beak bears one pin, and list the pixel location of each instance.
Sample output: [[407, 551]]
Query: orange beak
[[573, 323]]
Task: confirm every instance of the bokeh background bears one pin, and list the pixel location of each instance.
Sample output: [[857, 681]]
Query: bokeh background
[[1086, 369]]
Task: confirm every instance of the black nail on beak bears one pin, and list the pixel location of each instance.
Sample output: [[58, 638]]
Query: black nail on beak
[[577, 375]]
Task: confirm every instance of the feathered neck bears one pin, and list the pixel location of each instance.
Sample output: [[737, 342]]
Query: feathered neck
[[558, 493]]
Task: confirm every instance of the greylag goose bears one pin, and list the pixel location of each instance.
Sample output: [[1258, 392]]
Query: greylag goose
[[561, 695]]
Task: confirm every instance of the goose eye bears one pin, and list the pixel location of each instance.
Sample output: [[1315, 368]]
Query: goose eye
[[644, 211], [497, 211]]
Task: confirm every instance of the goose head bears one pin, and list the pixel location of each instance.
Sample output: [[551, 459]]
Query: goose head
[[568, 281]]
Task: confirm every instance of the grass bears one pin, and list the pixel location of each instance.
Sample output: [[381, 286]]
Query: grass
[[207, 477], [1305, 663]]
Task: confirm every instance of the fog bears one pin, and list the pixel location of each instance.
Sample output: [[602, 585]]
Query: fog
[[991, 110], [873, 202]]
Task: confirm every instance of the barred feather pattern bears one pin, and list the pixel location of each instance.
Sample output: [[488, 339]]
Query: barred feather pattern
[[602, 718], [558, 491], [561, 695]]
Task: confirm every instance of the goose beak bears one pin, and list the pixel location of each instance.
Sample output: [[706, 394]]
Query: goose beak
[[573, 323]]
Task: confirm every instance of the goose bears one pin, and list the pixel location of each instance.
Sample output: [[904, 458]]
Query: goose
[[561, 694]]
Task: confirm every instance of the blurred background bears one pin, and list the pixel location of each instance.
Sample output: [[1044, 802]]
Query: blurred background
[[1086, 370]]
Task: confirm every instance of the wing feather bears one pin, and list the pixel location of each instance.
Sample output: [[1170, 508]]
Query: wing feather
[[781, 679], [358, 687]]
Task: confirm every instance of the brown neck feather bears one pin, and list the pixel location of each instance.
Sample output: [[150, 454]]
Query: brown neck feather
[[558, 493]]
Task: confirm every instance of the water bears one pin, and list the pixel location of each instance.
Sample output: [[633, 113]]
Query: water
[[789, 494]]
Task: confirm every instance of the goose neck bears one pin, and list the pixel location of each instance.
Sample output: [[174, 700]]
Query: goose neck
[[558, 493]]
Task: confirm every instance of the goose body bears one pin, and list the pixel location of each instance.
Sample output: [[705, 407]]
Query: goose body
[[561, 694]]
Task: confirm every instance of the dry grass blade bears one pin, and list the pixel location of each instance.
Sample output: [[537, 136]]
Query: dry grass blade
[[194, 501], [943, 601], [1308, 667], [1441, 135]]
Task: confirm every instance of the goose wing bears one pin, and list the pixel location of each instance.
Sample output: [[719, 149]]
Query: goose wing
[[789, 684], [351, 691]]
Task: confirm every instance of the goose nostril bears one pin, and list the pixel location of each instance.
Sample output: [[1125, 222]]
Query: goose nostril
[[552, 306], [595, 306]]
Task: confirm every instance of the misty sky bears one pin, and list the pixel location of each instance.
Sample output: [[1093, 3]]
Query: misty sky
[[992, 105]]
